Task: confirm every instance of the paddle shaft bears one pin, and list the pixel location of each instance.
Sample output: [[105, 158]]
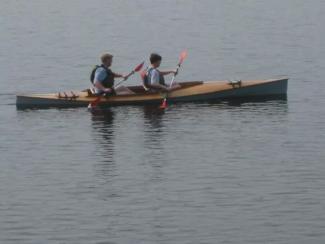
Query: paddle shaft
[[181, 59], [164, 103], [124, 79], [136, 69], [174, 76]]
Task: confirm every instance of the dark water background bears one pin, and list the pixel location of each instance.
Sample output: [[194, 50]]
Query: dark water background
[[249, 172]]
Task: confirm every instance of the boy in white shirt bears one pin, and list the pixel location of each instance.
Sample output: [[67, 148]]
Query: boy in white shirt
[[154, 79]]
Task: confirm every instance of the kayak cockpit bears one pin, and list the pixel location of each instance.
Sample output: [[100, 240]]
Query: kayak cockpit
[[140, 90]]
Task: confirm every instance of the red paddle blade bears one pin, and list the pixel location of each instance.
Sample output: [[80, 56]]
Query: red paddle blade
[[143, 74], [164, 104], [182, 56], [94, 103], [139, 67]]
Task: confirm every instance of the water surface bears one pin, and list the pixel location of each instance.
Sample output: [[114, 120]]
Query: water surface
[[247, 172]]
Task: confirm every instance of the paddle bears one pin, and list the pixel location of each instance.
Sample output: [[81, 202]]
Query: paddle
[[97, 100], [182, 57], [136, 69]]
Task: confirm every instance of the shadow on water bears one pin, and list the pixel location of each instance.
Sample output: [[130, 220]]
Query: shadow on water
[[270, 104], [154, 140], [244, 100], [281, 99], [153, 117], [103, 127], [104, 134]]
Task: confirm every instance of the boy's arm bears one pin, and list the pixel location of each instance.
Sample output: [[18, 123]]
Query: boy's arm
[[117, 75], [167, 72]]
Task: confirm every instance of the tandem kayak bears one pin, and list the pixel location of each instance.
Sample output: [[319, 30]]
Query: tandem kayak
[[192, 91]]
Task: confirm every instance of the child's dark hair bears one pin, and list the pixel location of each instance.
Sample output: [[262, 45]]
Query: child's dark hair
[[154, 57]]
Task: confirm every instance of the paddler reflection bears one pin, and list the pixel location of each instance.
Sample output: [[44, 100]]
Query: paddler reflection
[[104, 136]]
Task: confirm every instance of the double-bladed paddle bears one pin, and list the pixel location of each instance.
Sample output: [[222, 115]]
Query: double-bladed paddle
[[94, 103], [182, 57], [136, 69]]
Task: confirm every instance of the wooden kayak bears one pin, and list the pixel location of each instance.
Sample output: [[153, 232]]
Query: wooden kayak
[[187, 92]]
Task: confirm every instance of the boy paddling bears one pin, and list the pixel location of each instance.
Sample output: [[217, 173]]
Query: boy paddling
[[154, 79], [103, 77]]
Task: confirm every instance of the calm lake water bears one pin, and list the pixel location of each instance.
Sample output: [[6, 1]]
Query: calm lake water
[[251, 172]]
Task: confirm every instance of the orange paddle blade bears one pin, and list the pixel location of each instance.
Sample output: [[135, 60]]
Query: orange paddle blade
[[182, 56], [139, 67]]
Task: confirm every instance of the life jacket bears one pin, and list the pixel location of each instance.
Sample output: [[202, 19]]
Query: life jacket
[[147, 78], [108, 82]]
